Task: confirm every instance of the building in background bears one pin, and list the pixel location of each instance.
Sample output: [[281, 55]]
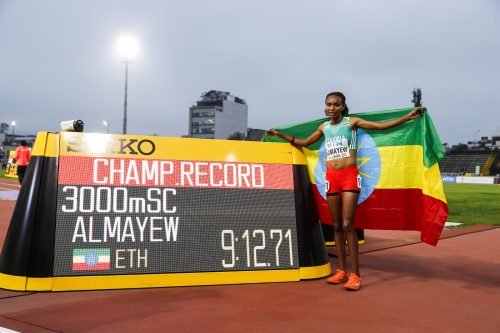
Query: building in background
[[255, 134], [218, 115]]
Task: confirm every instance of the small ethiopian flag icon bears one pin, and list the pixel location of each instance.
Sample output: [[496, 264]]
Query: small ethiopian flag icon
[[90, 259]]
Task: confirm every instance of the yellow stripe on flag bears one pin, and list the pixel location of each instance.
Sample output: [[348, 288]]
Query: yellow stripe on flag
[[312, 158], [402, 167]]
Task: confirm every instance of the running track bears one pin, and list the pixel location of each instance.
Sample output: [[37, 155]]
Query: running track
[[407, 287], [9, 189]]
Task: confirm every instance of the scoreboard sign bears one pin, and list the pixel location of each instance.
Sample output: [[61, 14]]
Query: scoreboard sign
[[100, 211], [149, 205]]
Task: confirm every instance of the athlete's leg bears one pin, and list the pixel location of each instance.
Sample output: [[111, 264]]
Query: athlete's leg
[[349, 202], [21, 171], [335, 205]]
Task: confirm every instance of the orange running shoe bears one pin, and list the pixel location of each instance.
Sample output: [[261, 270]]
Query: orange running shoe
[[354, 282], [339, 277]]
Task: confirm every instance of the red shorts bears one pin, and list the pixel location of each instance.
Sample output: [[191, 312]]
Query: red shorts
[[343, 180]]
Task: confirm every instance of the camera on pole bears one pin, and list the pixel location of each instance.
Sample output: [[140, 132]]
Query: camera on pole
[[72, 126], [417, 97]]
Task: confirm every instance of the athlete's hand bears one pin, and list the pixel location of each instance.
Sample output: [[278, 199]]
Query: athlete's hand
[[416, 112], [272, 132]]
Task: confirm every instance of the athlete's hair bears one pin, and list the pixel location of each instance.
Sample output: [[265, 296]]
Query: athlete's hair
[[342, 98]]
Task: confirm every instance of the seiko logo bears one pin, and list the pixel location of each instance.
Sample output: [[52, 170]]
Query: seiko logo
[[119, 146]]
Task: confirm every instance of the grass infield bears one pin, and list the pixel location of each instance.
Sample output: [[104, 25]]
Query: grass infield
[[473, 203]]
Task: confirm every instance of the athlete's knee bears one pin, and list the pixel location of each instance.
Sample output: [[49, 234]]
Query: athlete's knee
[[348, 225], [338, 227]]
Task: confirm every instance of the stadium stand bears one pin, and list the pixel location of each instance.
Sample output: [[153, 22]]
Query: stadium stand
[[462, 164]]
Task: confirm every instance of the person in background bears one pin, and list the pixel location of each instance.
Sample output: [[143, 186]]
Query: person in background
[[343, 183], [23, 155]]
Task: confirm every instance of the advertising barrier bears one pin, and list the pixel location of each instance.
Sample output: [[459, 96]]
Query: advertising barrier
[[449, 179], [104, 211], [475, 180], [470, 179], [11, 169]]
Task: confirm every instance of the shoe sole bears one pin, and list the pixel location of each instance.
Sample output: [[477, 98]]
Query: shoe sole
[[352, 289]]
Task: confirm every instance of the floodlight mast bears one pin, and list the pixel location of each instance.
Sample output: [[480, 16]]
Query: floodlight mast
[[128, 49]]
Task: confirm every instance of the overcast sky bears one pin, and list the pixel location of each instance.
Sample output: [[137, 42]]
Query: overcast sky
[[59, 61]]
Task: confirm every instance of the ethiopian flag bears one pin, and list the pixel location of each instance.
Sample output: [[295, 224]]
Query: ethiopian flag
[[91, 259], [401, 186]]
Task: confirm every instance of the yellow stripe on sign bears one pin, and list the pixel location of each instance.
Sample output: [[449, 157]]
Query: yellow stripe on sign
[[155, 147], [46, 144], [39, 284], [39, 145], [172, 280], [13, 282], [314, 272], [402, 167]]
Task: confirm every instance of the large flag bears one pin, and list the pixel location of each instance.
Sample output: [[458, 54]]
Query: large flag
[[401, 186]]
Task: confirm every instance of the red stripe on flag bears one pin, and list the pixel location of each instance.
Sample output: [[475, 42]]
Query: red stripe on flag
[[84, 170], [395, 209], [436, 214], [98, 267], [403, 209]]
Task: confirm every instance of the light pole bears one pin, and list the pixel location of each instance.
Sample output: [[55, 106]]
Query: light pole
[[105, 123], [475, 142], [126, 62], [127, 46], [13, 127]]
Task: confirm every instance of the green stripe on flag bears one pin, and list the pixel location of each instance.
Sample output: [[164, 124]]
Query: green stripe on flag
[[83, 252], [420, 131]]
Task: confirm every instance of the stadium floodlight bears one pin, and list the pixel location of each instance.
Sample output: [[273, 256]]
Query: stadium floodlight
[[128, 48], [105, 123]]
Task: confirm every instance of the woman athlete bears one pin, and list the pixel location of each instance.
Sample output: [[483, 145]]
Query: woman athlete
[[342, 176]]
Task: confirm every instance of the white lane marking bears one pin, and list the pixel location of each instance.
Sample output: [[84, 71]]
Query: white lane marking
[[12, 185], [8, 189], [8, 195], [452, 224], [6, 330]]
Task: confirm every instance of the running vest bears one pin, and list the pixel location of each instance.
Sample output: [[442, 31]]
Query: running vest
[[339, 139]]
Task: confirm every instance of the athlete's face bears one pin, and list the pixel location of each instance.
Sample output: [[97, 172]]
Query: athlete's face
[[334, 107]]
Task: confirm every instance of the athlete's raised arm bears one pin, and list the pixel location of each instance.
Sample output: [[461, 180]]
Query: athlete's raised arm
[[366, 124], [296, 141]]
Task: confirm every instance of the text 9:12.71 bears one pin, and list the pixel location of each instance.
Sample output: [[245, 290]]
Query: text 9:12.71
[[255, 244]]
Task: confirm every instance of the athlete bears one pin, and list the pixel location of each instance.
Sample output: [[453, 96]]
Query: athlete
[[23, 155], [342, 176]]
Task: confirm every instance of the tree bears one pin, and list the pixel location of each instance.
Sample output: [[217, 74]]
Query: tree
[[236, 136]]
